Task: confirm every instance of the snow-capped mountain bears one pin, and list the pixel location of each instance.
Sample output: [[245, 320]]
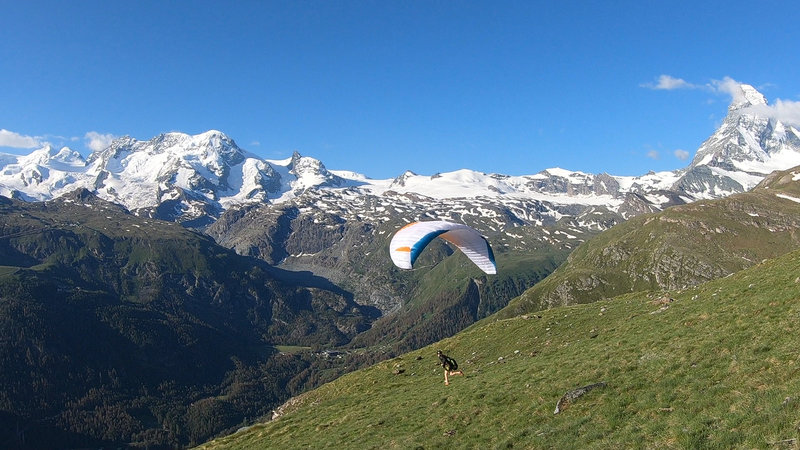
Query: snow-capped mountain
[[42, 174], [180, 177], [173, 176], [194, 179], [746, 148]]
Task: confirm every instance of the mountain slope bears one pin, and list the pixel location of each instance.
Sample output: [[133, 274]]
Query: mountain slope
[[450, 297], [120, 330], [677, 248], [352, 252], [193, 179], [715, 367]]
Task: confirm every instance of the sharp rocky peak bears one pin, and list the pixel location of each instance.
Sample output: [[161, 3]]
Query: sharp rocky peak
[[744, 96], [305, 165], [742, 151]]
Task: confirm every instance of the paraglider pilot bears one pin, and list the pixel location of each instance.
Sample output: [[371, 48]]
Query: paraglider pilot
[[450, 366]]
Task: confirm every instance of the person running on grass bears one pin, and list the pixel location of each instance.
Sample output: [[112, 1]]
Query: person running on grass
[[450, 366]]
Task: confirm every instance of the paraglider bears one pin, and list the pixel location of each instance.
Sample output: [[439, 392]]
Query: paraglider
[[409, 241]]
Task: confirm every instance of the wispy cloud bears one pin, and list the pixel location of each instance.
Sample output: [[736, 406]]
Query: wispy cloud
[[669, 83], [96, 141], [654, 154], [683, 155], [786, 111], [727, 85], [16, 140]]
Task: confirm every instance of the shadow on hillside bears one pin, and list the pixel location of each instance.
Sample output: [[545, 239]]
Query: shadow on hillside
[[308, 279]]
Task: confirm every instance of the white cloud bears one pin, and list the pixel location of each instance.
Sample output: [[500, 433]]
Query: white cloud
[[786, 111], [668, 83], [683, 155], [653, 154], [96, 141], [729, 86], [255, 144], [16, 140]]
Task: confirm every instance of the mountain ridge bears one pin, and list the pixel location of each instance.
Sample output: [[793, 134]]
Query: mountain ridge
[[193, 179]]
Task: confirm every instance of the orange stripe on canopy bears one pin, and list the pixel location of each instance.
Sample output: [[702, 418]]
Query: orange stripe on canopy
[[403, 249], [409, 225]]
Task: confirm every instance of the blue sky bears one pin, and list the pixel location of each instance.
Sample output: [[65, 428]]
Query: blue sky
[[380, 87]]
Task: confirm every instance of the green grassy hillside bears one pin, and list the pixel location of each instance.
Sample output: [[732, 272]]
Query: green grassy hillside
[[715, 366]]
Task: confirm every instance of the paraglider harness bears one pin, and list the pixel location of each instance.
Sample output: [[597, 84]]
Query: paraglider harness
[[447, 362]]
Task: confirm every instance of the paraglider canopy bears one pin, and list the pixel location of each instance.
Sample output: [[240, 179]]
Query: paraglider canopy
[[409, 241]]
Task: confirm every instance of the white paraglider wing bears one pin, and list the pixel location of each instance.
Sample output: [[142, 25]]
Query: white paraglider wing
[[410, 240]]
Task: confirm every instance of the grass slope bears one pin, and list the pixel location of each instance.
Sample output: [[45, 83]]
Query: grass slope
[[715, 368]]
